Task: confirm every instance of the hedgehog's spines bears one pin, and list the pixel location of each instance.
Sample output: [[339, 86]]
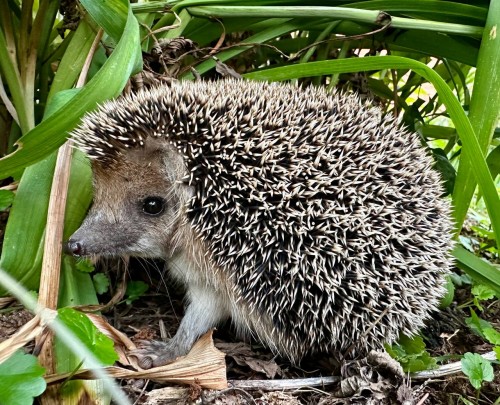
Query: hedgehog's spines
[[323, 215]]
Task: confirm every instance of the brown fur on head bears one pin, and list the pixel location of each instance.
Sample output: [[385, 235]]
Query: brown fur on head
[[122, 189]]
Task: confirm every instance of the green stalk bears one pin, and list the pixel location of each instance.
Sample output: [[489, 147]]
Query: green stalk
[[13, 80], [47, 22], [6, 24], [24, 61], [337, 13], [334, 80], [484, 110], [425, 6], [319, 38]]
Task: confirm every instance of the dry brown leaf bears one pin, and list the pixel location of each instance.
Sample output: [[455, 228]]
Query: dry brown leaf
[[122, 343], [204, 365], [279, 398], [268, 367], [24, 335], [243, 355], [6, 301], [166, 396]]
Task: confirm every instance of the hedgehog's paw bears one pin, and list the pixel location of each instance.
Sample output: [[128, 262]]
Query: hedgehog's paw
[[155, 354]]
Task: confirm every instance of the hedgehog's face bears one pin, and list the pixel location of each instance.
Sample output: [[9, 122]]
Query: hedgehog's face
[[138, 206]]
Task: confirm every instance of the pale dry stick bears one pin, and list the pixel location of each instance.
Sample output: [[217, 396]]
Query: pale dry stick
[[6, 301], [152, 33], [221, 39], [421, 402], [51, 264], [11, 187], [287, 384], [447, 369]]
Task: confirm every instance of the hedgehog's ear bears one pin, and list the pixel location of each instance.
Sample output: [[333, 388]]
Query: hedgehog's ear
[[158, 149]]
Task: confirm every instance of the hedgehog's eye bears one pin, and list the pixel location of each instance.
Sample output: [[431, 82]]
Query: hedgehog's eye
[[153, 205]]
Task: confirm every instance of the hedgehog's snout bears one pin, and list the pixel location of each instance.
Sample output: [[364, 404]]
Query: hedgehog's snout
[[74, 248]]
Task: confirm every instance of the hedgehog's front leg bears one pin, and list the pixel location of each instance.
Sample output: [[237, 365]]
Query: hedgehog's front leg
[[206, 309]]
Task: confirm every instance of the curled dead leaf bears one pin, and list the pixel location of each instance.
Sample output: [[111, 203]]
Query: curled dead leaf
[[204, 365]]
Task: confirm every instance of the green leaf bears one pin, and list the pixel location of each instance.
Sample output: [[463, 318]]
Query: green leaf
[[111, 15], [477, 369], [492, 336], [85, 266], [99, 344], [135, 289], [460, 279], [411, 354], [337, 13], [466, 401], [496, 349], [101, 283], [107, 83], [6, 198], [447, 299], [445, 168], [476, 324], [483, 115], [482, 292], [493, 161], [477, 268], [21, 379]]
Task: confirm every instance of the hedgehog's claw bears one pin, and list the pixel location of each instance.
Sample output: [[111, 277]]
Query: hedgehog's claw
[[155, 354]]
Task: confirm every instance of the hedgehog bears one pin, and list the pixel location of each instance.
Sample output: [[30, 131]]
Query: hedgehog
[[310, 220]]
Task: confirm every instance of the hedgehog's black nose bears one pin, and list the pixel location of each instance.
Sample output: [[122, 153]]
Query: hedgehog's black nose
[[74, 248]]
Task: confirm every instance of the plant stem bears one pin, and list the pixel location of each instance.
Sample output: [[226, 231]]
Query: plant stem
[[337, 13], [13, 80], [484, 109]]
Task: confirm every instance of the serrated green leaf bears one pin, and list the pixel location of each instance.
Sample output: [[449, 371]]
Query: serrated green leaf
[[460, 279], [99, 344], [85, 266], [496, 349], [101, 283], [482, 292], [477, 369], [135, 289], [411, 354], [21, 379]]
